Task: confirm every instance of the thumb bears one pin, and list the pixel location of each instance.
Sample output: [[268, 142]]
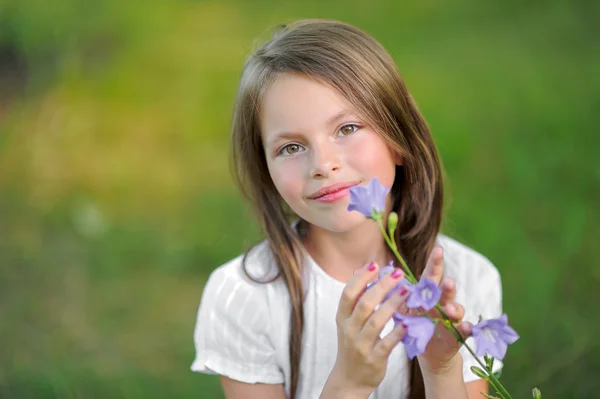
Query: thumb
[[465, 329], [435, 265]]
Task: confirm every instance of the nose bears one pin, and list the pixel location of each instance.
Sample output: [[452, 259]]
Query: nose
[[325, 160]]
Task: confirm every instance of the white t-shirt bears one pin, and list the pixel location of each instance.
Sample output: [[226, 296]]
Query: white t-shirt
[[242, 328]]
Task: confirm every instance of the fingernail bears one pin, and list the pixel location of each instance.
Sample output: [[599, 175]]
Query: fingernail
[[403, 291], [397, 273], [404, 325], [372, 266]]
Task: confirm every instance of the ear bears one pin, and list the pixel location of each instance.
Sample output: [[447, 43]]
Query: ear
[[398, 159]]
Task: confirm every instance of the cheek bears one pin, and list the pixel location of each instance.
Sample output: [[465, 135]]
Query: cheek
[[372, 155], [286, 176]]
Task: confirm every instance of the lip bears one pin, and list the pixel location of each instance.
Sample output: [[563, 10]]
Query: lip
[[333, 189]]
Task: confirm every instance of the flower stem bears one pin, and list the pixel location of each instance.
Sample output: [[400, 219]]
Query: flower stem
[[450, 326], [492, 378], [392, 244]]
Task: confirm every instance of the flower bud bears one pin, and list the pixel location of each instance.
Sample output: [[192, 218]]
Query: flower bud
[[479, 372], [392, 222], [489, 362], [536, 393]]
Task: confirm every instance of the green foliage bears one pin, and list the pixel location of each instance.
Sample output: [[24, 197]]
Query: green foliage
[[116, 201]]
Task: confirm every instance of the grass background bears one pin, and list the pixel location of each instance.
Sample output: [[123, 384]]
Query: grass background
[[116, 201]]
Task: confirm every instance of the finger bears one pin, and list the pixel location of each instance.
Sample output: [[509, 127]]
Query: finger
[[373, 297], [448, 291], [354, 289], [454, 311], [384, 346], [403, 308], [465, 329], [435, 265], [376, 323]]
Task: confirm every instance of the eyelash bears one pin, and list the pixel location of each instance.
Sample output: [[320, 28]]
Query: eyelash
[[356, 127], [283, 149]]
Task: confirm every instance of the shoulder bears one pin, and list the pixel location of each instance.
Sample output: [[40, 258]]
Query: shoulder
[[464, 263], [246, 281], [249, 270], [234, 325]]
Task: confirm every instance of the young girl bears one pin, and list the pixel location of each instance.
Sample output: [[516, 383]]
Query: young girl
[[321, 107]]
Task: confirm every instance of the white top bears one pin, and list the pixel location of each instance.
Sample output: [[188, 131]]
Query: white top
[[242, 328]]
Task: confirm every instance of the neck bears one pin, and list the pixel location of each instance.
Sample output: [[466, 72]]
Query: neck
[[340, 254]]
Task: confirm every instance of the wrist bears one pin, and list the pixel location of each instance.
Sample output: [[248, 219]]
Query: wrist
[[446, 381], [452, 367], [337, 387]]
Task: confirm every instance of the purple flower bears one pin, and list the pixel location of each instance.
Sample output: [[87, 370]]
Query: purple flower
[[425, 294], [369, 199], [419, 331], [493, 336], [397, 288], [387, 269], [384, 271]]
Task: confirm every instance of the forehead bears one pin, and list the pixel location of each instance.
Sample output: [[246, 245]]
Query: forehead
[[298, 103]]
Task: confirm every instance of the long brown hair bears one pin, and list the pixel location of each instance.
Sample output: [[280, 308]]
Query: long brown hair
[[360, 69]]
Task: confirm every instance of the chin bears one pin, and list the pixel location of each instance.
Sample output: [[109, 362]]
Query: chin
[[338, 223]]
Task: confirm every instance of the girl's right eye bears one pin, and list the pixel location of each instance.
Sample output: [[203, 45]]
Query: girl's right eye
[[291, 149]]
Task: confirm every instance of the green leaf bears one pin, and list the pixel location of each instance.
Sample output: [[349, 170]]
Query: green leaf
[[489, 396], [479, 372]]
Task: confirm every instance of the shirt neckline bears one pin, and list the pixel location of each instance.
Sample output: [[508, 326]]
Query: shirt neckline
[[319, 271]]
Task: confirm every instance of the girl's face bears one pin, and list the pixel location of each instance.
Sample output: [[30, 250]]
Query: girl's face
[[316, 147]]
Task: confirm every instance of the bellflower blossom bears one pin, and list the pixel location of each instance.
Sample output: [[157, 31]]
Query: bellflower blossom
[[384, 271], [369, 199], [419, 331], [493, 336], [425, 294]]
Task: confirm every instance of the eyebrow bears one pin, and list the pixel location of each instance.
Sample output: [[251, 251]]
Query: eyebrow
[[339, 116], [289, 135]]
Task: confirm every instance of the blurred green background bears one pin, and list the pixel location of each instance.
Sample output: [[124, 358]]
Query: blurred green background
[[116, 200]]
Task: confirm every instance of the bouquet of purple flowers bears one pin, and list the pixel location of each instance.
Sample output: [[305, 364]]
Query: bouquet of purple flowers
[[492, 337]]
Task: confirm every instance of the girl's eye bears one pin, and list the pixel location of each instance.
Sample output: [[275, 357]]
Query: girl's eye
[[347, 129], [290, 149]]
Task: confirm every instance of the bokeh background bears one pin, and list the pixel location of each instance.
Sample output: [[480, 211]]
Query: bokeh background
[[116, 200]]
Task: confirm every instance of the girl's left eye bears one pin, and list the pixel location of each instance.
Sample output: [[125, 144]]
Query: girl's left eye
[[347, 129]]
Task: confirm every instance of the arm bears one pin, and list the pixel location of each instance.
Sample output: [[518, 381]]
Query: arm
[[239, 390], [474, 388], [336, 389], [441, 365], [452, 385], [448, 383]]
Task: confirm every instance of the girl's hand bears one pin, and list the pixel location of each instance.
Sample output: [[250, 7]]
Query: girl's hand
[[441, 353], [362, 355]]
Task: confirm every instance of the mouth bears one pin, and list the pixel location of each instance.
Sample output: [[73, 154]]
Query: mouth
[[333, 192]]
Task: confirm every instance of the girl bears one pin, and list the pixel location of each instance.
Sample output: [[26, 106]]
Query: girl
[[321, 107]]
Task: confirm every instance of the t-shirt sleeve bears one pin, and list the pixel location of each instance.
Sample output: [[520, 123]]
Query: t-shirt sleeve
[[485, 291], [231, 336]]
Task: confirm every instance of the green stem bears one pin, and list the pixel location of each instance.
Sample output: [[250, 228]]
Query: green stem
[[496, 388], [392, 244], [492, 379]]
